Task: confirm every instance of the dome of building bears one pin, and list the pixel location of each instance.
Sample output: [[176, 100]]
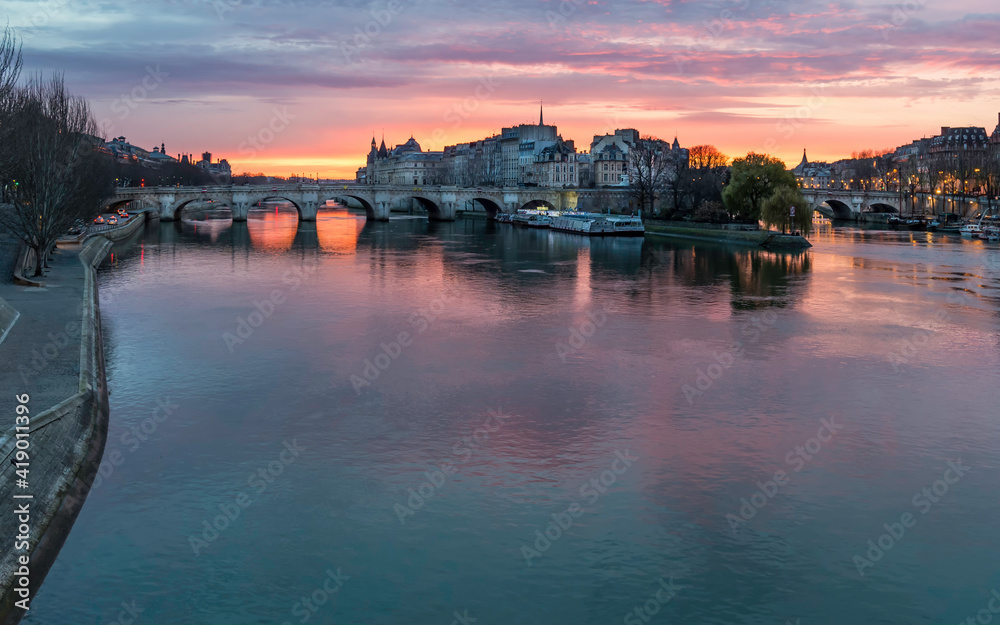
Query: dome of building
[[411, 145]]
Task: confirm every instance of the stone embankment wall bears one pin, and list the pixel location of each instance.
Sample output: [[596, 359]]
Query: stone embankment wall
[[754, 237]]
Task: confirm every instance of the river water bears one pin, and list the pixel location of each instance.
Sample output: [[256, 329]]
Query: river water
[[428, 423]]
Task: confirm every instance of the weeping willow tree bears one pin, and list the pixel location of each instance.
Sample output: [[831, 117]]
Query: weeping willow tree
[[777, 211], [53, 174]]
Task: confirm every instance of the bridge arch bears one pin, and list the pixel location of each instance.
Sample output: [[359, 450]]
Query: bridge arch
[[535, 204], [181, 205], [840, 209], [492, 207], [824, 209], [367, 205], [116, 204], [880, 207], [268, 198], [433, 208]]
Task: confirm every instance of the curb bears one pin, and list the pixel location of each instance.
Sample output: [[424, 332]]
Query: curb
[[25, 258]]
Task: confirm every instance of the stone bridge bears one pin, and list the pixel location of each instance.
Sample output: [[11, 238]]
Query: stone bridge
[[845, 204], [441, 202]]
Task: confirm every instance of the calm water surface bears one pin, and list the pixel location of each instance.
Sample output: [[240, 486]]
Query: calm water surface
[[533, 361]]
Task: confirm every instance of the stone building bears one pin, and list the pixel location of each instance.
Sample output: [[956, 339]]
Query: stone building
[[813, 175], [609, 155], [956, 140], [406, 164], [519, 145], [556, 166]]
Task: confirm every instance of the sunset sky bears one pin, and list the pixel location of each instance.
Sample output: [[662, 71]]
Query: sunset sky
[[290, 86]]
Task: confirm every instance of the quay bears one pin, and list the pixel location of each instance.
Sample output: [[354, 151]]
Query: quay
[[53, 352], [702, 232]]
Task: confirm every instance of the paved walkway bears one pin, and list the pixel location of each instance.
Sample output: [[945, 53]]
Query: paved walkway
[[41, 356]]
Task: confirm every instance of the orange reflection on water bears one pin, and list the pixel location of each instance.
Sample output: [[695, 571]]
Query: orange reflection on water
[[273, 231], [339, 230], [582, 293]]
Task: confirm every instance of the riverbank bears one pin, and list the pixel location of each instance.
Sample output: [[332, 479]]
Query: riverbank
[[56, 358], [759, 238]]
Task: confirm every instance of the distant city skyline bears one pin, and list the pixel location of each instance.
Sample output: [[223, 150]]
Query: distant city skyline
[[301, 87]]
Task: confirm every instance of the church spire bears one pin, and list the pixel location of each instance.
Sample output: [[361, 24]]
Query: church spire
[[541, 113]]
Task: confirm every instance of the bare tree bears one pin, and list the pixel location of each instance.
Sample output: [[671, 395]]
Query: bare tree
[[650, 171], [10, 62], [10, 70], [706, 157], [57, 177]]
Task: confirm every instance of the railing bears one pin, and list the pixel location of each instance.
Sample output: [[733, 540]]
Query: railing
[[227, 188]]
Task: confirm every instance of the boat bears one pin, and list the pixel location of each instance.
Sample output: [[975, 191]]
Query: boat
[[582, 223], [990, 233], [945, 222], [598, 224], [503, 218], [531, 220], [970, 230], [627, 225], [917, 223]]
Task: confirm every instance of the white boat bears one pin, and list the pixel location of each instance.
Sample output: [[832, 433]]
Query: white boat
[[970, 230], [582, 223], [597, 224], [626, 225], [532, 220], [990, 233]]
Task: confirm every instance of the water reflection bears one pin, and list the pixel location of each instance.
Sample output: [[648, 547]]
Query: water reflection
[[673, 308], [756, 278]]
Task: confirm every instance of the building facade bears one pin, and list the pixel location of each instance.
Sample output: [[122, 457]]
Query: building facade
[[406, 164], [609, 155], [556, 166]]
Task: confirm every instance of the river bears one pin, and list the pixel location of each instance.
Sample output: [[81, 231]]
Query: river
[[428, 423]]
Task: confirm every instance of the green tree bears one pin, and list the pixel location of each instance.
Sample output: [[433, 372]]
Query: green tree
[[753, 179], [777, 210]]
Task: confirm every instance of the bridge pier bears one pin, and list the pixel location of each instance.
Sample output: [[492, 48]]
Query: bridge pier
[[382, 205], [308, 210], [240, 210], [309, 206], [446, 212], [166, 208]]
